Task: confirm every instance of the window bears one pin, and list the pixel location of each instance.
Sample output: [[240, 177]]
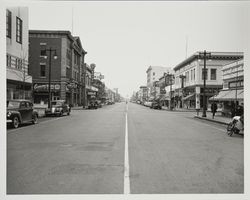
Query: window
[[8, 60], [213, 74], [19, 30], [194, 74], [43, 52], [8, 24], [204, 74], [18, 63], [153, 73], [42, 70]]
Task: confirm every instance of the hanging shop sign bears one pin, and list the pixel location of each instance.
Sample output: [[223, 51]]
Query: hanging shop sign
[[91, 93], [71, 86], [45, 87]]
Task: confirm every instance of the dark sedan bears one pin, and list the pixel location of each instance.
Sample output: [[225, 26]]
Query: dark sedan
[[155, 105], [58, 107], [20, 112]]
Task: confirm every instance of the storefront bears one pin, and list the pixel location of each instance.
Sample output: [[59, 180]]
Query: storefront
[[41, 92], [19, 90]]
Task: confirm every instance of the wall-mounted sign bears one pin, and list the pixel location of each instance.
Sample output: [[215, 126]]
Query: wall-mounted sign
[[45, 87]]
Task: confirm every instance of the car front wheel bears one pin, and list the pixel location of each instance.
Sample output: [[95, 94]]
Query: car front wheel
[[15, 122]]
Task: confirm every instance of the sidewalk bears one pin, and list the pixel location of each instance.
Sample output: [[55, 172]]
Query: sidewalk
[[218, 118]]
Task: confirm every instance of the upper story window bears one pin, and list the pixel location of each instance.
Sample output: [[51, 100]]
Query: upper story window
[[8, 24], [42, 70], [153, 73], [213, 74], [204, 73], [19, 30]]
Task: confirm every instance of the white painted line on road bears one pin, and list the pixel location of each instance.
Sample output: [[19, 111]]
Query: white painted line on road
[[126, 158]]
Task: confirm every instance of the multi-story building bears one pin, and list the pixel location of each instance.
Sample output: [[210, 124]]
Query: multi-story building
[[143, 92], [66, 71], [154, 73], [189, 77], [19, 82], [232, 93]]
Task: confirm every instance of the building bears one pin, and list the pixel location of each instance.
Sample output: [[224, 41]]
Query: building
[[189, 77], [66, 71], [19, 82], [154, 73], [143, 93], [232, 93], [91, 91]]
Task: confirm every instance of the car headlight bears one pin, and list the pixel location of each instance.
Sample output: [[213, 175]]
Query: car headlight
[[58, 109], [8, 114]]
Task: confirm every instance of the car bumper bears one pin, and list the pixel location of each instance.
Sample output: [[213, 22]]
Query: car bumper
[[9, 121]]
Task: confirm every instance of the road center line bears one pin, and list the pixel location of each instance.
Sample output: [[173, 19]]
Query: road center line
[[126, 158]]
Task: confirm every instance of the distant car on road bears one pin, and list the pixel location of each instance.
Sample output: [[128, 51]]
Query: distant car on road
[[93, 105], [58, 107], [20, 112], [156, 105]]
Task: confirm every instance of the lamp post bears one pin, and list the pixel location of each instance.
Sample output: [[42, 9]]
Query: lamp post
[[50, 50], [204, 55], [236, 88], [182, 77], [84, 80]]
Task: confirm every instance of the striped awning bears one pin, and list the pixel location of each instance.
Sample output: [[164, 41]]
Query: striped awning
[[228, 95]]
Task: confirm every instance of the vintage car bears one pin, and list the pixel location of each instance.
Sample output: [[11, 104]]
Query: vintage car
[[93, 105], [156, 105], [58, 107], [20, 112]]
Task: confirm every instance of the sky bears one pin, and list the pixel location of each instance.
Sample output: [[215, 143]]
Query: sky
[[124, 38]]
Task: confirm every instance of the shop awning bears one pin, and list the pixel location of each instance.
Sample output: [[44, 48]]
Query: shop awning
[[189, 97], [228, 95]]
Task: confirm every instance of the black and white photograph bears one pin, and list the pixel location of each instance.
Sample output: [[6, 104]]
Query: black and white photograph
[[125, 100]]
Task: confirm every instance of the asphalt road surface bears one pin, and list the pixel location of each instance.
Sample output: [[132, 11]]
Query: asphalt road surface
[[124, 149]]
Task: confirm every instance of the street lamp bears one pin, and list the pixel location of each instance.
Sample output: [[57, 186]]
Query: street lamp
[[84, 80], [50, 50], [170, 78], [182, 77], [204, 55]]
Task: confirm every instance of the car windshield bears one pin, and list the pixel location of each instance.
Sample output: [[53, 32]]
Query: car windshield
[[56, 103], [13, 104]]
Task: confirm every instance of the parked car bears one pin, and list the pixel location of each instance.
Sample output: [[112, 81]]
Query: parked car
[[156, 105], [148, 103], [20, 112], [58, 107], [93, 105]]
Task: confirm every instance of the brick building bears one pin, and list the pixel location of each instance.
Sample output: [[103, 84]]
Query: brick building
[[66, 71]]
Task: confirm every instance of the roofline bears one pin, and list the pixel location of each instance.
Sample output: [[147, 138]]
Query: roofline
[[238, 55], [59, 32]]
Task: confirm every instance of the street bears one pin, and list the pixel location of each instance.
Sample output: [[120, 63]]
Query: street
[[168, 153]]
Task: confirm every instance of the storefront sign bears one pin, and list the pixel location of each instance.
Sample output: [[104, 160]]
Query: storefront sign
[[45, 87], [72, 86], [91, 93]]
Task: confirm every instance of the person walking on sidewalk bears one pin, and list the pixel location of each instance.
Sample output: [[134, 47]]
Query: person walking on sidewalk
[[213, 108]]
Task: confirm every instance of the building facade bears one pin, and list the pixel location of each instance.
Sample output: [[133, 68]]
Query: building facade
[[232, 93], [65, 71], [19, 82], [154, 73], [189, 77]]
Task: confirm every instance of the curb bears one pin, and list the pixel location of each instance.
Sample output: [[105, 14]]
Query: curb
[[211, 120]]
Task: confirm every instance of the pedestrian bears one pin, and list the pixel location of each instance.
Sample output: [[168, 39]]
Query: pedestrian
[[213, 108]]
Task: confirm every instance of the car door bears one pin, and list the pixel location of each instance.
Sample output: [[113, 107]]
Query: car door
[[29, 111], [23, 111]]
